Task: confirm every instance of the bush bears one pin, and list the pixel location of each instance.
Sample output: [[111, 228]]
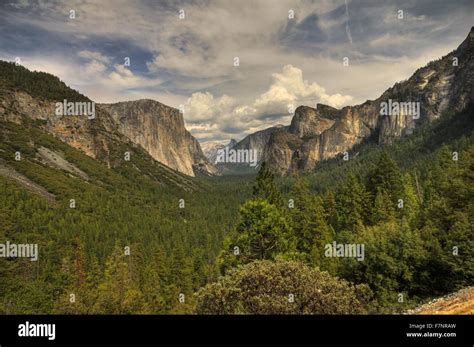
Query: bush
[[267, 287]]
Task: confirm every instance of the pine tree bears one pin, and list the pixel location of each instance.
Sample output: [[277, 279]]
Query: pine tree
[[383, 210], [303, 215], [266, 187], [309, 222], [118, 292], [387, 176], [331, 209], [411, 204], [181, 271], [352, 203], [151, 287], [263, 232]]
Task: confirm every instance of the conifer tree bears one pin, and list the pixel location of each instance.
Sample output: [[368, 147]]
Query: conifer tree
[[118, 292], [309, 222], [266, 187], [352, 204], [263, 232], [383, 210], [182, 271], [387, 176], [331, 209], [411, 204]]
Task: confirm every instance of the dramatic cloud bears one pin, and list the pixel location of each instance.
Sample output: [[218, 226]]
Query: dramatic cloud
[[288, 90], [190, 60]]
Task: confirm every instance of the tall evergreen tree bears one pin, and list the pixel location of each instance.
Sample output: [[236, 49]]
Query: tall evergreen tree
[[387, 176], [353, 204], [266, 187], [309, 222], [262, 233], [411, 203], [383, 210], [118, 292]]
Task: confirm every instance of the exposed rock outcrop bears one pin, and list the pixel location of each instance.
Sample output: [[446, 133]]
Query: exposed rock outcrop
[[92, 136]]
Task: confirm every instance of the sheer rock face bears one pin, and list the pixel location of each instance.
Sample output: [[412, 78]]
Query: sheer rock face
[[160, 130], [323, 132], [281, 150]]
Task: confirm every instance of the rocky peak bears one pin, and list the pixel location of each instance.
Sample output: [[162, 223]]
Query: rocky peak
[[157, 128], [327, 111], [468, 43], [308, 121], [258, 140]]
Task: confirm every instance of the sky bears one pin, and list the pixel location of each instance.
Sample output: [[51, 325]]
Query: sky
[[234, 67]]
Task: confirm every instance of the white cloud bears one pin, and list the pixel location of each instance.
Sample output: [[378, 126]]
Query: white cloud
[[94, 67], [97, 79], [91, 55], [289, 87], [204, 112], [204, 107]]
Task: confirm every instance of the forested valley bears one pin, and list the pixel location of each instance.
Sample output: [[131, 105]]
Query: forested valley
[[242, 244]]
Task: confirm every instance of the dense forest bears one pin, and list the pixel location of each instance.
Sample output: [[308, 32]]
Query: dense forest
[[130, 244]]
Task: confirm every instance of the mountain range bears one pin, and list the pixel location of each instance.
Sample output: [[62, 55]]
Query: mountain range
[[314, 134], [324, 132]]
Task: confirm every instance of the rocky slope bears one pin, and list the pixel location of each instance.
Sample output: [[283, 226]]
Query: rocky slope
[[323, 132], [460, 302], [95, 137], [160, 130]]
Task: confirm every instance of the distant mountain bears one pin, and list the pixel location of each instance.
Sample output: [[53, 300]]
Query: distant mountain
[[323, 132], [114, 129], [258, 140], [253, 142], [211, 148]]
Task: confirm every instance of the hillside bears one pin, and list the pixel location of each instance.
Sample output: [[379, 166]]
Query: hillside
[[82, 214], [461, 302]]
